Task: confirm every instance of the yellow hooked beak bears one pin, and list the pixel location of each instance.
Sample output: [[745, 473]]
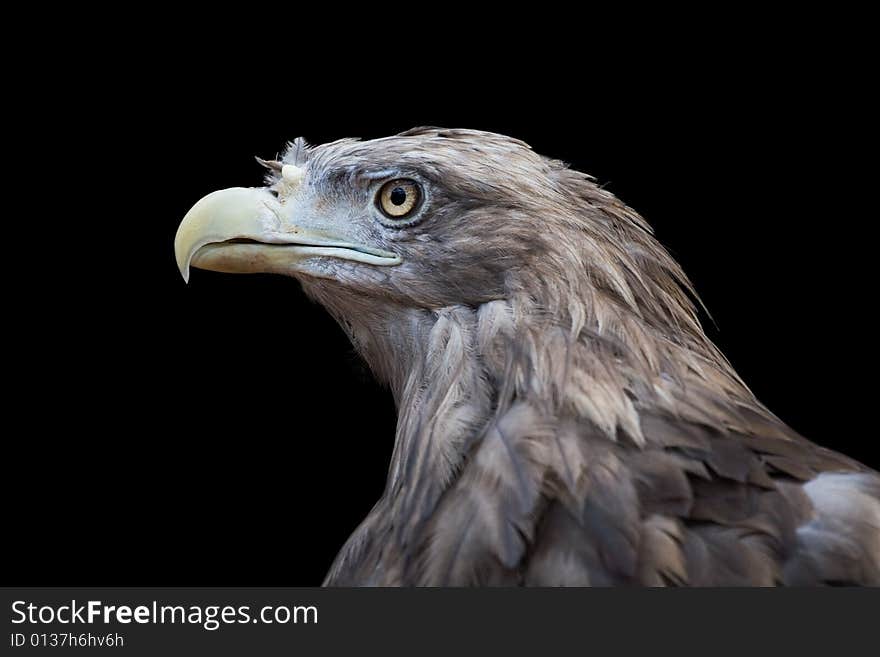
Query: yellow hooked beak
[[250, 230]]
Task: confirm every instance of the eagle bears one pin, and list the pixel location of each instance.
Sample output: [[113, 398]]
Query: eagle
[[563, 420]]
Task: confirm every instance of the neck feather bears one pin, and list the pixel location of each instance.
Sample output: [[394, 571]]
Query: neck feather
[[453, 370]]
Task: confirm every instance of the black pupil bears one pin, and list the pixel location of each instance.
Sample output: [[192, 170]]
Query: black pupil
[[398, 196]]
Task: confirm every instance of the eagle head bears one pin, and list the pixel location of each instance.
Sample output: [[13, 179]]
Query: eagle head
[[380, 231], [427, 218]]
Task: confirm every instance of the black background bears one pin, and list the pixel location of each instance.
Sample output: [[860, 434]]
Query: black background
[[224, 433]]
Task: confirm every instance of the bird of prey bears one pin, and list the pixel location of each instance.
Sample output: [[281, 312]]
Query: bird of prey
[[562, 417]]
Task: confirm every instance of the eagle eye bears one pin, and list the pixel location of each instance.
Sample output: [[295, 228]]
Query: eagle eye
[[398, 199]]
